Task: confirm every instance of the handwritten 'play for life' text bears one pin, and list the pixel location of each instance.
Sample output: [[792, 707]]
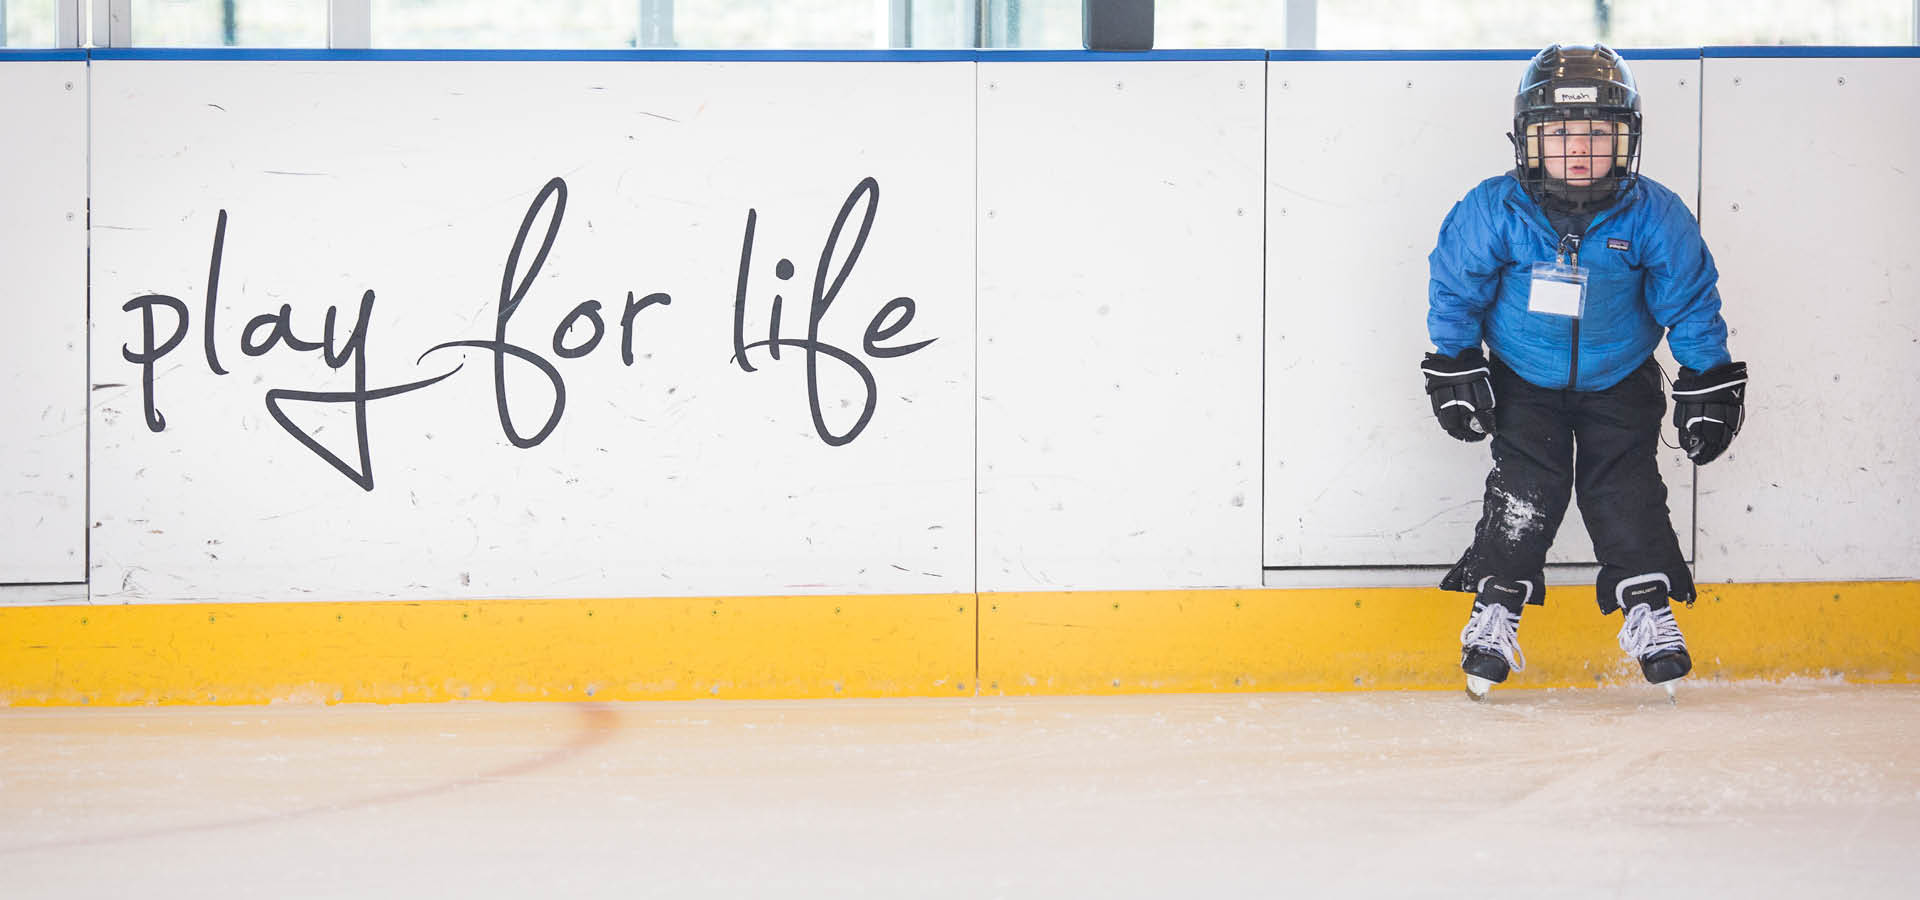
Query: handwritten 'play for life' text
[[268, 332]]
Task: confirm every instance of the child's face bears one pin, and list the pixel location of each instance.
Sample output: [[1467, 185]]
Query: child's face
[[1577, 152]]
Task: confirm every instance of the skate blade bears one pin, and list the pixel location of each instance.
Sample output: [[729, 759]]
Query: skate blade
[[1673, 697], [1478, 687]]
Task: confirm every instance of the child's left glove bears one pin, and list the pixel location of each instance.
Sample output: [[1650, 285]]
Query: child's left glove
[[1708, 408]]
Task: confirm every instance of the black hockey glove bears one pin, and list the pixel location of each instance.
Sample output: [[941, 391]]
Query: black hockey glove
[[1461, 389], [1707, 409]]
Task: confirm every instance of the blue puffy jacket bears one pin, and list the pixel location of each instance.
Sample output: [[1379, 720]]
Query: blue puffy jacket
[[1648, 271]]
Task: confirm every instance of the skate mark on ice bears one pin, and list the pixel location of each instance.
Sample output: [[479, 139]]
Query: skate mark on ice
[[597, 726]]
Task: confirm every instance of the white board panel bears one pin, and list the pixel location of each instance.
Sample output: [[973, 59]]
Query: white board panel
[[1812, 219], [1119, 282], [675, 473], [43, 296], [1363, 161]]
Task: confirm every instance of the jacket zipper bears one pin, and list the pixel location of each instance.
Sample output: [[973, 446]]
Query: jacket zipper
[[1573, 366]]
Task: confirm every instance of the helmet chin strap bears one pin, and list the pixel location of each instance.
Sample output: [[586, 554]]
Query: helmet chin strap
[[1578, 198]]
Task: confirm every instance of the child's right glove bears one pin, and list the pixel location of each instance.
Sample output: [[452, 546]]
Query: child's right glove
[[1462, 393], [1707, 409]]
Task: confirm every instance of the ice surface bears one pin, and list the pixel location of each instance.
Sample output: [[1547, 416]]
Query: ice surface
[[1750, 790]]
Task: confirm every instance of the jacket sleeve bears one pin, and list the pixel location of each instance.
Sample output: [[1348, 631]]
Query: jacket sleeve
[[1463, 276], [1682, 288]]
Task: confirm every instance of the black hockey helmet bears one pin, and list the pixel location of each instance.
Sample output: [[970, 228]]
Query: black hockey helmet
[[1563, 88]]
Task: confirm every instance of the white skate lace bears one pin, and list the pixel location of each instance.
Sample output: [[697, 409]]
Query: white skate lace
[[1647, 632], [1493, 627]]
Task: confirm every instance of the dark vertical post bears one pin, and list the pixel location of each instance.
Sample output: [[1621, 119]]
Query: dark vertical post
[[1116, 24]]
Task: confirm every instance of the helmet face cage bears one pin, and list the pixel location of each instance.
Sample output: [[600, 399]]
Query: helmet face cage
[[1576, 125]]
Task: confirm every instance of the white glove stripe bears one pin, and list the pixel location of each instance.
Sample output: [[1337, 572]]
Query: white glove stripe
[[1709, 390]]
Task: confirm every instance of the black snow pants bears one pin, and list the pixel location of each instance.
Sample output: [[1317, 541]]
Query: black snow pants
[[1602, 446]]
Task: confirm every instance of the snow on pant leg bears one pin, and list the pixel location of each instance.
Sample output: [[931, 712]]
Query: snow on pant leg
[[1527, 490], [1622, 499]]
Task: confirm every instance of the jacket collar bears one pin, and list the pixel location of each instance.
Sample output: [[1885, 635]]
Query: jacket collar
[[1516, 198]]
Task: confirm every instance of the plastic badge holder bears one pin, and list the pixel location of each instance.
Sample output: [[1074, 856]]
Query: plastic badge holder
[[1558, 290]]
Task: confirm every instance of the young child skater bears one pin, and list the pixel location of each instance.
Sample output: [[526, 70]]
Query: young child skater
[[1570, 268]]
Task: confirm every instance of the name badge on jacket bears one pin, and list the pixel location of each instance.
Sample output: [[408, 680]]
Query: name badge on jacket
[[1558, 290]]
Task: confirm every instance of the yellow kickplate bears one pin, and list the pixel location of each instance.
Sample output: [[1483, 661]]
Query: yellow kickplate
[[907, 645], [1116, 642], [622, 649]]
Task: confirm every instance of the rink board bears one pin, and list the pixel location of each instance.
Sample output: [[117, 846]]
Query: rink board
[[1364, 160], [1119, 325], [512, 231], [1118, 533], [1097, 642], [43, 297], [1820, 278]]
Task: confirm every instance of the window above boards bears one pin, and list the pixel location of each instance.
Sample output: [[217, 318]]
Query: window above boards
[[943, 24]]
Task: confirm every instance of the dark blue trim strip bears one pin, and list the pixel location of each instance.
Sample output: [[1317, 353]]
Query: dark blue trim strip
[[178, 53], [1113, 56], [316, 54], [288, 55], [41, 55], [1810, 52], [1449, 55]]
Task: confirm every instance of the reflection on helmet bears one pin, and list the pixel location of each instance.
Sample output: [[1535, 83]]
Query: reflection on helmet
[[1563, 89]]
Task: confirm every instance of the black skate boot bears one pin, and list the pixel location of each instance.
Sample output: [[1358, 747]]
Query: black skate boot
[[1651, 636], [1490, 644]]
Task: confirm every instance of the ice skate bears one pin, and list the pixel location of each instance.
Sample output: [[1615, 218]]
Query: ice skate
[[1651, 636], [1490, 643]]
